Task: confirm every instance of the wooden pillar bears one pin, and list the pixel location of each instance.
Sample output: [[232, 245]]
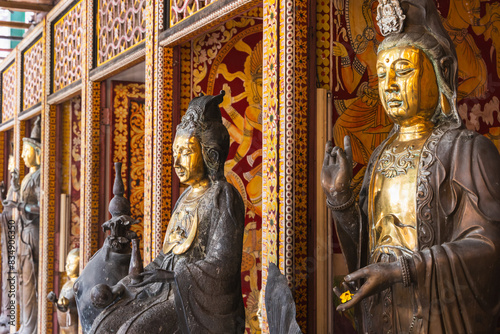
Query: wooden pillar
[[90, 148], [158, 133], [285, 142]]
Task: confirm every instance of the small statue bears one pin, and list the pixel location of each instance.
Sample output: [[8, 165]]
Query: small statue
[[67, 314], [28, 245], [421, 244], [110, 263], [194, 285]]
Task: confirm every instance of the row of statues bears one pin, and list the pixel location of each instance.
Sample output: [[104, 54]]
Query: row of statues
[[421, 241]]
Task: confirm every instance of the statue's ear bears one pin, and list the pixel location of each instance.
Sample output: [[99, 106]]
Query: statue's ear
[[445, 104], [447, 71], [38, 155]]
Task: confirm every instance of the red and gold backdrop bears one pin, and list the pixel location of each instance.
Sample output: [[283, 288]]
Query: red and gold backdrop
[[347, 28], [74, 108], [127, 130], [229, 58]]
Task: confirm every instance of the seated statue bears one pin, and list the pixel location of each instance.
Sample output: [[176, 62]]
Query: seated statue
[[422, 244], [194, 285], [67, 315]]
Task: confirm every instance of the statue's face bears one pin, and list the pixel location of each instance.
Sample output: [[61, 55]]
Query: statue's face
[[188, 159], [407, 85], [72, 265], [30, 155]]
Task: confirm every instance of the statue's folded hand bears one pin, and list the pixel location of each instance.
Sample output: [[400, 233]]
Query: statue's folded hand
[[376, 277], [156, 275]]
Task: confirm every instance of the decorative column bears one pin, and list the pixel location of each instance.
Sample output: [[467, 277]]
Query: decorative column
[[158, 133], [285, 142], [91, 102]]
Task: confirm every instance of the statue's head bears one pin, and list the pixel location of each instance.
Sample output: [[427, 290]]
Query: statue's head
[[73, 263], [32, 147], [201, 143], [417, 59]]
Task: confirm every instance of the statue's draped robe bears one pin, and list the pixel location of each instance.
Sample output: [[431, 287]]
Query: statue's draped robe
[[458, 225], [208, 276], [28, 250]]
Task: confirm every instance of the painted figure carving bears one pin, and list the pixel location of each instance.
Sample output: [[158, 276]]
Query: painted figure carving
[[194, 285], [28, 247], [8, 231], [67, 315], [421, 243]]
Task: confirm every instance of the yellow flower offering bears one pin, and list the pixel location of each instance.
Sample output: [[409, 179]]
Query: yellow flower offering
[[346, 296]]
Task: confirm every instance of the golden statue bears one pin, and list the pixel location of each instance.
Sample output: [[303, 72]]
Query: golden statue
[[420, 243], [67, 314]]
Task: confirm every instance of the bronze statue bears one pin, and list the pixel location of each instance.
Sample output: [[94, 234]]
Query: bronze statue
[[28, 247], [8, 241], [194, 285], [67, 314], [421, 243], [110, 263]]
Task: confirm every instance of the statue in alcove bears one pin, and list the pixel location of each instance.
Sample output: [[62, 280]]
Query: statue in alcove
[[421, 244], [8, 232], [194, 285], [28, 206], [67, 314]]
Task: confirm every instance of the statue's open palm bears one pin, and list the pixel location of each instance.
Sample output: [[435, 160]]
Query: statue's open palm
[[336, 173]]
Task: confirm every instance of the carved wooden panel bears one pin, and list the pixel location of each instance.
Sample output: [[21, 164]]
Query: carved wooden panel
[[9, 97], [120, 25], [181, 9], [67, 48], [32, 74]]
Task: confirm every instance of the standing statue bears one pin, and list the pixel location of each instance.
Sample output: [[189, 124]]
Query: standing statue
[[194, 285], [8, 233], [67, 315], [28, 248], [421, 243]]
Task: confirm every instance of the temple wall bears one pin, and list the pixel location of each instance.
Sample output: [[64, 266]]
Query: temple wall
[[293, 71]]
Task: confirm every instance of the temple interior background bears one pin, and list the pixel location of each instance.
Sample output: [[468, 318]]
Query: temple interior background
[[111, 79]]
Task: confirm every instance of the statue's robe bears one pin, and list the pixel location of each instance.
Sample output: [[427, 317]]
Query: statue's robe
[[458, 224], [28, 251], [208, 276]]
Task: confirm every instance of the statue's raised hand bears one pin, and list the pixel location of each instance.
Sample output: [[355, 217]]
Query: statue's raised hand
[[336, 173]]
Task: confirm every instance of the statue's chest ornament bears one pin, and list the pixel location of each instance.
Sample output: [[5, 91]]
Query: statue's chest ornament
[[393, 163], [183, 226]]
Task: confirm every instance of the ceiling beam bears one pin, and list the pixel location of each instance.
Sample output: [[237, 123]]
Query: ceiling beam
[[25, 6], [15, 38], [14, 24]]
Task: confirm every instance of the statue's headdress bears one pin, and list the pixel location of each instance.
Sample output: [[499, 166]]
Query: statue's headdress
[[203, 119], [36, 135], [417, 23]]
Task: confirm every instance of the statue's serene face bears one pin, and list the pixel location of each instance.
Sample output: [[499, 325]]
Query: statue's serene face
[[188, 159], [72, 265], [407, 85], [30, 156]]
